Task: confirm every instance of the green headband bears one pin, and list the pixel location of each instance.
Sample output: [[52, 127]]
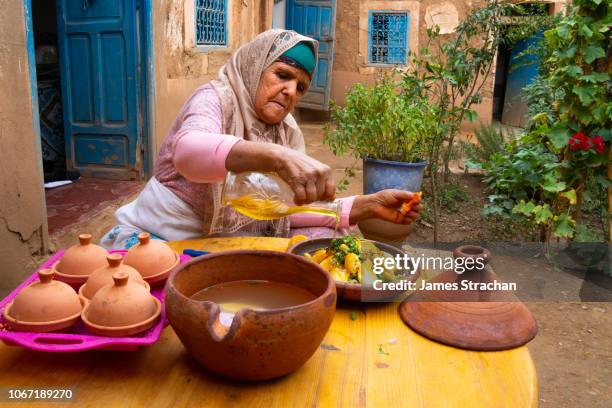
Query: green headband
[[302, 55]]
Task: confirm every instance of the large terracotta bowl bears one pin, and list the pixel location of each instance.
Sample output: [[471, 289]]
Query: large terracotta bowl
[[257, 345], [357, 292]]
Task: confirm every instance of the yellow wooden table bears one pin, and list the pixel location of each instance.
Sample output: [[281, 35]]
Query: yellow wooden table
[[372, 360]]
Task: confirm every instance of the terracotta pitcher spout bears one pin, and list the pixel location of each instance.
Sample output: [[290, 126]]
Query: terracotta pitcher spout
[[221, 326]]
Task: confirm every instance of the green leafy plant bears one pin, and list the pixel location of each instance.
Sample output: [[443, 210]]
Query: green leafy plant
[[380, 123], [450, 194], [489, 140], [450, 73], [542, 176]]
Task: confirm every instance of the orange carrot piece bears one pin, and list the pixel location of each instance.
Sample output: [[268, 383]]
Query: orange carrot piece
[[408, 205]]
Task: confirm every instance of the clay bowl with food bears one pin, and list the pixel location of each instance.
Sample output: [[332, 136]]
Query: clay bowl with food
[[250, 314], [387, 286]]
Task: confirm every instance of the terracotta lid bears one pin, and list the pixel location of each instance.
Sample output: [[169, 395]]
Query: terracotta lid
[[79, 261], [104, 276], [46, 305], [152, 258], [470, 319], [121, 309]]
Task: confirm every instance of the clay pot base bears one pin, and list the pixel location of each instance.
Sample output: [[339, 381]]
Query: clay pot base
[[473, 320], [38, 327], [123, 330], [480, 326], [470, 319], [156, 279]]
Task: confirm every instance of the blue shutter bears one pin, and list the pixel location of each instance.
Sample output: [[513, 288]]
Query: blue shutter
[[387, 37], [211, 22]]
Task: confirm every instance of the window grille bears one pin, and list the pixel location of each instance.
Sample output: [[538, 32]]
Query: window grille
[[388, 37], [211, 22]]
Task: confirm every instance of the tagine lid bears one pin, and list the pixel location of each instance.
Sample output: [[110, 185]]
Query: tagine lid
[[104, 276], [44, 301], [470, 319], [121, 307], [151, 257], [81, 259]]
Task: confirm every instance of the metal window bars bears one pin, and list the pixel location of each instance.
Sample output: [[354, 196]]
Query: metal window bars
[[211, 22], [388, 38]]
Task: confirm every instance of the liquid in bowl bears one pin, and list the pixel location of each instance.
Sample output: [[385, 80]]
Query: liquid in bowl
[[258, 295]]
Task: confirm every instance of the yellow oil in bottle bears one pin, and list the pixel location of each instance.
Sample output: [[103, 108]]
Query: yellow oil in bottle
[[272, 209]]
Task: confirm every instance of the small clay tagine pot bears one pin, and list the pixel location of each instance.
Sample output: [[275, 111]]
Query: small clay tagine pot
[[256, 344], [152, 258], [104, 276], [121, 309], [44, 306], [79, 261]]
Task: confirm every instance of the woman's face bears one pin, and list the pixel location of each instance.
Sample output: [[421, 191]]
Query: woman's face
[[280, 88]]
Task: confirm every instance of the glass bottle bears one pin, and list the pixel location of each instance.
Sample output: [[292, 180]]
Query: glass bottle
[[265, 196]]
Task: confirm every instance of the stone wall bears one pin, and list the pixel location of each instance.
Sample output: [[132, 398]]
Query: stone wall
[[23, 221]]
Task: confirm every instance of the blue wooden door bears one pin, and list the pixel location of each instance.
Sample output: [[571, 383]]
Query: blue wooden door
[[316, 19], [98, 60]]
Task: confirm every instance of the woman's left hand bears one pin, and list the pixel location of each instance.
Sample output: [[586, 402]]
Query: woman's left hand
[[384, 205]]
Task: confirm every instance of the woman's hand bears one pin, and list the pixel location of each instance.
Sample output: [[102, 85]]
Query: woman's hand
[[309, 179], [384, 205]]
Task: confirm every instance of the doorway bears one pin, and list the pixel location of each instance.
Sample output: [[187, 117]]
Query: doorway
[[92, 87], [315, 19], [501, 75], [91, 65], [49, 91]]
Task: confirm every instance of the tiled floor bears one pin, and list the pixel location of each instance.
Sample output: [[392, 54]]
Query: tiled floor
[[84, 199]]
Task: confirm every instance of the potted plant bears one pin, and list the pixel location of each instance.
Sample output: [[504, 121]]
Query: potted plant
[[387, 130]]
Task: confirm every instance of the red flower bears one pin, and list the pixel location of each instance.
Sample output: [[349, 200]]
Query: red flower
[[579, 141], [598, 142], [574, 145]]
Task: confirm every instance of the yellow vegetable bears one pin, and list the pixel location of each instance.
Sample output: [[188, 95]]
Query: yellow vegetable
[[319, 255], [353, 264], [328, 263], [295, 239], [344, 248], [339, 274]]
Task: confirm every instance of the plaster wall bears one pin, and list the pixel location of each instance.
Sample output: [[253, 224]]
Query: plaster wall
[[23, 222], [181, 66], [350, 47]]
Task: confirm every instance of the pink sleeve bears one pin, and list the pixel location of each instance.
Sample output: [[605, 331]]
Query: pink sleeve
[[314, 220], [200, 149]]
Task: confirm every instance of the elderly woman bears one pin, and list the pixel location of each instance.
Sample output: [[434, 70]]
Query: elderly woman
[[242, 122]]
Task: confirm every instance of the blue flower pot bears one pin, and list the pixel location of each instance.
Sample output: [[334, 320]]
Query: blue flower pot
[[383, 174]]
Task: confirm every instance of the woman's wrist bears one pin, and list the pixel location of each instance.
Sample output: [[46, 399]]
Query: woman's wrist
[[360, 210], [253, 156]]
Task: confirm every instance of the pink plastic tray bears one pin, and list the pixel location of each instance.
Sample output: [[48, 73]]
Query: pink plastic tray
[[77, 338]]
